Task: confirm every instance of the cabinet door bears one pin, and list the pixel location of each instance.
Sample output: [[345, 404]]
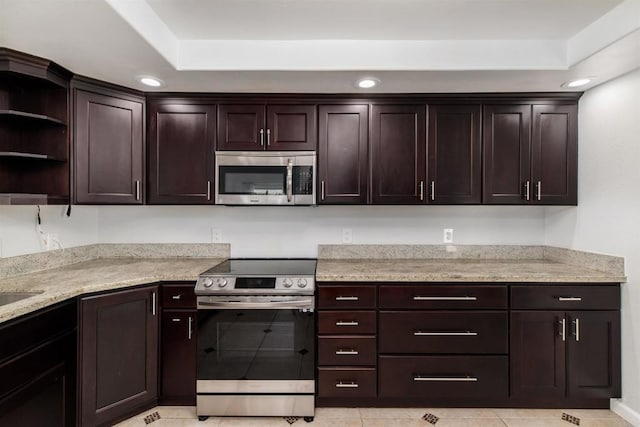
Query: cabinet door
[[537, 356], [241, 127], [178, 357], [593, 355], [398, 147], [119, 355], [454, 154], [507, 154], [342, 154], [291, 127], [554, 155], [181, 152], [109, 159]]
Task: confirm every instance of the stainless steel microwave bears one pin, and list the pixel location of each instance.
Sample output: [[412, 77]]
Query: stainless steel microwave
[[265, 178]]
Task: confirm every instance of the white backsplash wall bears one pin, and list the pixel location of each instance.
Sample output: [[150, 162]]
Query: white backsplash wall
[[296, 231], [18, 227], [607, 218]]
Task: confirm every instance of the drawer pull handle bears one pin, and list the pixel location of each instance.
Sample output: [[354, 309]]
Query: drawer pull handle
[[342, 323], [569, 299], [177, 296], [346, 385], [175, 320], [347, 298], [446, 379], [347, 352], [445, 334], [466, 298]]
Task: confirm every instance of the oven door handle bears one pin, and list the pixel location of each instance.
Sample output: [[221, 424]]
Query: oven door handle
[[305, 303], [289, 180]]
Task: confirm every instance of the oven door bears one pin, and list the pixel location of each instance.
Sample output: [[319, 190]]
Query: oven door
[[248, 350], [265, 178]]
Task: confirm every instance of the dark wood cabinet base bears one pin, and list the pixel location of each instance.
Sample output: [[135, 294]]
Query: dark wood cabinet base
[[413, 402]]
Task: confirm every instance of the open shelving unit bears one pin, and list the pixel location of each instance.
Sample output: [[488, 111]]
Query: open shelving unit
[[34, 130]]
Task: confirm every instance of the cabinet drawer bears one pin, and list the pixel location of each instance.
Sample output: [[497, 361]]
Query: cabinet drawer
[[346, 322], [443, 332], [349, 350], [347, 296], [341, 382], [443, 297], [179, 295], [576, 297], [443, 376]]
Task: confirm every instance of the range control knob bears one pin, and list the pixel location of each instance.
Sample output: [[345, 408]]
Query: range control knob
[[287, 283], [302, 283], [222, 283], [207, 283]]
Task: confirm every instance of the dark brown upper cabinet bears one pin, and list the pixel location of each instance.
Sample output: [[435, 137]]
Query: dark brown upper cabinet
[[118, 366], [530, 154], [181, 153], [342, 154], [109, 145], [252, 127], [454, 164], [398, 149], [554, 154], [34, 137]]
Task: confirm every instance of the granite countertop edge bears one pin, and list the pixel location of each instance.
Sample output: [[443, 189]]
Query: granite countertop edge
[[51, 295]]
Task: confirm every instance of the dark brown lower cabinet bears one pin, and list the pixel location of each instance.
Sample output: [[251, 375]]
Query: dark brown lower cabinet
[[38, 368], [572, 355], [118, 355], [178, 357]]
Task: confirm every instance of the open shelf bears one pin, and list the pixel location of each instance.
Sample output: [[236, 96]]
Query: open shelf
[[20, 155], [24, 116], [32, 199]]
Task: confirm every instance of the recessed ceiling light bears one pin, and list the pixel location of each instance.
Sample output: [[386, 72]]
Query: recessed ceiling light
[[150, 81], [576, 82], [367, 83]]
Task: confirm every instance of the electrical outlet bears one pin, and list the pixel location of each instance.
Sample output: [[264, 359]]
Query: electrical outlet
[[347, 235], [216, 235], [52, 241], [447, 235]]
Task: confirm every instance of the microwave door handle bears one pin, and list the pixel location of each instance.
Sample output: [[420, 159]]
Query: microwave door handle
[[289, 180]]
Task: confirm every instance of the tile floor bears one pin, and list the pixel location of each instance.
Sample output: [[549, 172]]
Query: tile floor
[[185, 416]]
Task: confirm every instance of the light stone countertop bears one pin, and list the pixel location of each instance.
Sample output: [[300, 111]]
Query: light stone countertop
[[459, 270], [59, 284]]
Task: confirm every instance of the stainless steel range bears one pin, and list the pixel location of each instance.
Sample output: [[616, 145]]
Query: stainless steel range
[[256, 338]]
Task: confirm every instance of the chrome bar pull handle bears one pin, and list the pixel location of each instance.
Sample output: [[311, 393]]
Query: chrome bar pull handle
[[563, 329], [190, 327], [268, 137], [445, 334], [421, 190], [341, 298], [446, 379], [433, 190], [577, 329], [340, 384], [527, 190], [570, 299], [539, 190], [208, 190], [350, 352], [137, 190], [153, 303], [322, 190], [262, 137], [347, 323], [289, 177], [175, 319], [177, 297], [465, 298]]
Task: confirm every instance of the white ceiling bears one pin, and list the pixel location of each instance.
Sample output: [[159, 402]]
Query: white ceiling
[[325, 45]]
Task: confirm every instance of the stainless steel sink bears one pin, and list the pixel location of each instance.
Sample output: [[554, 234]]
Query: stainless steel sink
[[9, 297]]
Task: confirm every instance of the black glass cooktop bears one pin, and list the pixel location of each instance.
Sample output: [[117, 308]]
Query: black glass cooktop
[[264, 267]]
